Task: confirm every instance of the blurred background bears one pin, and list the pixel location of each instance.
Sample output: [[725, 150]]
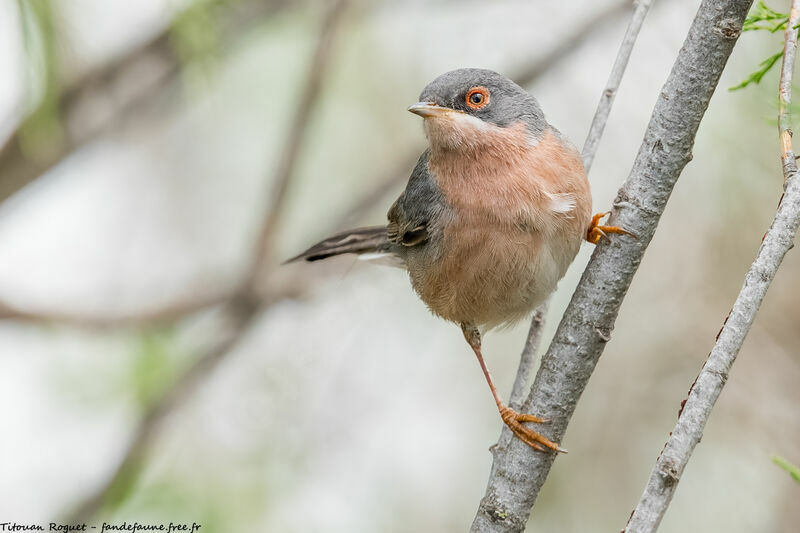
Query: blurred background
[[159, 156]]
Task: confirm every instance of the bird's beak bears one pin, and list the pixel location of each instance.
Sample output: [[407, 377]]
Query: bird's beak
[[429, 109]]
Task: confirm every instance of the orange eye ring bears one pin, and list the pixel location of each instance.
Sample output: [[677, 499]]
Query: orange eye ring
[[477, 97]]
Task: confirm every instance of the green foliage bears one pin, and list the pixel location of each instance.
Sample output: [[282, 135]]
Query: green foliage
[[42, 125], [793, 470], [762, 17]]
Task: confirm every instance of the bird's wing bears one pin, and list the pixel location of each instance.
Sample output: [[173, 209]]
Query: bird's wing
[[411, 217]]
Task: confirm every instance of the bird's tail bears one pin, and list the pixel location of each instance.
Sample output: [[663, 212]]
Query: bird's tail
[[361, 241]]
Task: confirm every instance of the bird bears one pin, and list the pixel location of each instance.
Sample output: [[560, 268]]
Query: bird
[[493, 213]]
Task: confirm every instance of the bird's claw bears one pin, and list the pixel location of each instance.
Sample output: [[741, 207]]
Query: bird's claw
[[514, 421], [597, 232]]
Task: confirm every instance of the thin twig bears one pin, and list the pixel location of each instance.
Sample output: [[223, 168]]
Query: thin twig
[[242, 309], [158, 315], [522, 381], [709, 383], [785, 94], [518, 472], [295, 137], [607, 99]]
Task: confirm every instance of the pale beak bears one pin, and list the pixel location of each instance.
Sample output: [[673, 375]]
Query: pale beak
[[429, 109]]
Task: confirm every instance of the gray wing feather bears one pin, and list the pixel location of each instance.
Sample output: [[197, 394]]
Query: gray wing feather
[[412, 217]]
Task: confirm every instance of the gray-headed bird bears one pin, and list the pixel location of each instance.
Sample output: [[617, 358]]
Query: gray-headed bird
[[493, 214]]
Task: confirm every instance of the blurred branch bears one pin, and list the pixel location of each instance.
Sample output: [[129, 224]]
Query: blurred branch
[[518, 472], [242, 309], [707, 387], [577, 36], [111, 93], [607, 99], [297, 132], [157, 315], [391, 180]]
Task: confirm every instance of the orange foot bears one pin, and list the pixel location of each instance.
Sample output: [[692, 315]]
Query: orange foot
[[536, 441], [597, 232]]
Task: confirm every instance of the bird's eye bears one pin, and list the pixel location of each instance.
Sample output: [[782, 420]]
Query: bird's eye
[[477, 97]]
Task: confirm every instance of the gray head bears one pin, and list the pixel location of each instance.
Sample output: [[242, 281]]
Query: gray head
[[481, 94]]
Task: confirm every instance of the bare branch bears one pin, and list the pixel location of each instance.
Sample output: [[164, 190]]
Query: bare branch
[[709, 383], [522, 380], [295, 136], [785, 94], [242, 308], [518, 472], [607, 99], [156, 315]]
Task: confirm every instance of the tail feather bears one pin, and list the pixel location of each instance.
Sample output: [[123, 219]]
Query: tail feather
[[356, 241]]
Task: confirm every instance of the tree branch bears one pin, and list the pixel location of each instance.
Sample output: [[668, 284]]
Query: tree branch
[[242, 308], [518, 472], [707, 387], [607, 98], [522, 380]]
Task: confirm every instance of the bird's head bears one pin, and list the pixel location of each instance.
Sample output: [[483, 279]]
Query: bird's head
[[469, 109]]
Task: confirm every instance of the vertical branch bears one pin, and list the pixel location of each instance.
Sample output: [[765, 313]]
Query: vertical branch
[[607, 98], [785, 94], [707, 387], [518, 472]]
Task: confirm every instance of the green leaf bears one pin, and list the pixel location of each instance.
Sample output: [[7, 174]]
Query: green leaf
[[786, 465], [756, 76]]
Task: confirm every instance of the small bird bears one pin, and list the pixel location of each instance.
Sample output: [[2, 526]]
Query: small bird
[[493, 214]]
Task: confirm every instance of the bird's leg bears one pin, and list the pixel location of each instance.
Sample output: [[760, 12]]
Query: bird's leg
[[510, 417], [597, 232]]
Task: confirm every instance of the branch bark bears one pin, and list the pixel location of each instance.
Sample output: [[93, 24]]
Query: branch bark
[[519, 472], [707, 387]]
